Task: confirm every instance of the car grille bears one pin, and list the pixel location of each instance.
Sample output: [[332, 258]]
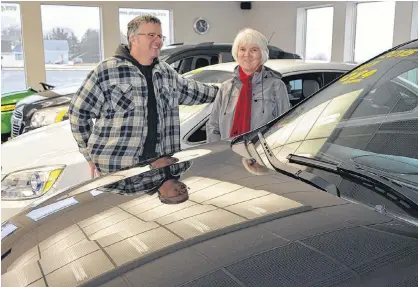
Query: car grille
[[17, 119]]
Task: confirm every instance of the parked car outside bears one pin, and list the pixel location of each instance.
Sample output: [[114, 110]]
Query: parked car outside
[[8, 104], [46, 108], [53, 147], [331, 201]]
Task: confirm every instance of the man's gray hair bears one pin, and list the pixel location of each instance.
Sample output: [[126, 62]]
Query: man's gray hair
[[133, 25], [252, 37]]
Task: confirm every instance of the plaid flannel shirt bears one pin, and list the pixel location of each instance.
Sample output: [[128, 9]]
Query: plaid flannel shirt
[[115, 94]]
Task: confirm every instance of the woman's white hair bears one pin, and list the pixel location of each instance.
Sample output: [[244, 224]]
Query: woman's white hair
[[252, 37]]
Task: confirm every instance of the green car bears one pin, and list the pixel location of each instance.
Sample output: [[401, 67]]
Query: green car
[[8, 103]]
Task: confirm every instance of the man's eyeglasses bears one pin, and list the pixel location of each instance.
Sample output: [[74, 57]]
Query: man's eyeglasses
[[153, 36]]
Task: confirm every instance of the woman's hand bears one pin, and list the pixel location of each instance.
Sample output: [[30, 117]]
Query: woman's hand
[[93, 170]]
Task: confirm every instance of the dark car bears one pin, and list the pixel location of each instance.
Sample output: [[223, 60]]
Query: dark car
[[331, 200], [182, 58]]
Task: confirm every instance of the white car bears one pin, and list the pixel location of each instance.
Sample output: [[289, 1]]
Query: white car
[[47, 160]]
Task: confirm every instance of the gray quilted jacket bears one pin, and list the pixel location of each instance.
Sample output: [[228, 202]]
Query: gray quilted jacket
[[270, 99]]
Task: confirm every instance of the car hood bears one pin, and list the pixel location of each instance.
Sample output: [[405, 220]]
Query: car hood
[[13, 98], [48, 144], [85, 235], [61, 91], [35, 98]]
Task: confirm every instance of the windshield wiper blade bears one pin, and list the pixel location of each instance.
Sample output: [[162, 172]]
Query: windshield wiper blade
[[393, 189], [302, 175]]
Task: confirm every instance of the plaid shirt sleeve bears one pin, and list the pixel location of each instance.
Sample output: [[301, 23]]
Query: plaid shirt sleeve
[[84, 106], [193, 92]]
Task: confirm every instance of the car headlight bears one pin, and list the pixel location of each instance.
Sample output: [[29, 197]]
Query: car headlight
[[48, 116], [30, 183]]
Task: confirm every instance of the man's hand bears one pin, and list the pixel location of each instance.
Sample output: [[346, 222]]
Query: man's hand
[[93, 170], [164, 161]]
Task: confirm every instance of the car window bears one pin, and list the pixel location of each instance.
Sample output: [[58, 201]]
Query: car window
[[302, 86], [200, 62], [368, 116], [331, 76], [226, 57], [392, 96], [199, 135], [176, 65], [186, 65]]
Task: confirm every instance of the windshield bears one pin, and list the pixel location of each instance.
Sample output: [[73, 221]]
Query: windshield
[[368, 117]]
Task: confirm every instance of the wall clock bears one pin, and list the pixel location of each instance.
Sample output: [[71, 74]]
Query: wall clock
[[201, 26]]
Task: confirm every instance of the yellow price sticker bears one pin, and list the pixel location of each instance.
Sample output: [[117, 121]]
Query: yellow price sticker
[[357, 76], [399, 54]]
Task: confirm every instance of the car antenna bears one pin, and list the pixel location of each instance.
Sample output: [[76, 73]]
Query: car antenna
[[271, 37]]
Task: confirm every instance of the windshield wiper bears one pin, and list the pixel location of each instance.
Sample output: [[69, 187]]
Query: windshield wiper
[[302, 175], [395, 190]]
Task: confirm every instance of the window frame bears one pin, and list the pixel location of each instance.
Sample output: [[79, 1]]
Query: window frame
[[301, 27], [101, 35], [351, 21], [18, 56]]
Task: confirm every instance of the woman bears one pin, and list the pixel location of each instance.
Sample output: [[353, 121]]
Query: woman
[[254, 96]]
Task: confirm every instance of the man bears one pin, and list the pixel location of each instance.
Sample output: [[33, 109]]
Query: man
[[135, 100]]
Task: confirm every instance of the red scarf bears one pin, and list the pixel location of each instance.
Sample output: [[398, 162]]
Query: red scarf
[[242, 116]]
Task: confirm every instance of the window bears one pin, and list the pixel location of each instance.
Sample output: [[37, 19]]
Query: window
[[374, 29], [127, 14], [411, 76], [331, 76], [191, 63], [226, 57], [296, 85], [12, 62], [319, 22], [71, 47], [395, 95], [19, 57], [302, 86], [198, 136]]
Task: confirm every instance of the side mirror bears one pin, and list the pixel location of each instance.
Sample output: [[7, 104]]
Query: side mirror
[[46, 86]]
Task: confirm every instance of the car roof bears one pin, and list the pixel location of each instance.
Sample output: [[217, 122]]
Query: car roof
[[286, 66], [177, 47]]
